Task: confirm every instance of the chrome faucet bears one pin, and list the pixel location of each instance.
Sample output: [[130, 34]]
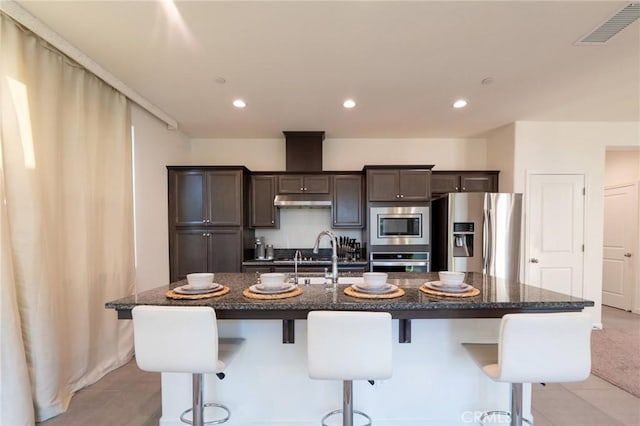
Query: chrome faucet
[[334, 255], [296, 258]]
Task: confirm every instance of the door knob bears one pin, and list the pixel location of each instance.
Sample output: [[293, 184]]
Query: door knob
[[533, 260], [627, 255]]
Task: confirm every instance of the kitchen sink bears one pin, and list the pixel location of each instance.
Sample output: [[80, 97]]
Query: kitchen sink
[[322, 280]]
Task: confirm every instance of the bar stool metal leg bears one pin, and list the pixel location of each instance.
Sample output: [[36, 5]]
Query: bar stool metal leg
[[347, 403], [347, 407], [516, 417], [198, 407]]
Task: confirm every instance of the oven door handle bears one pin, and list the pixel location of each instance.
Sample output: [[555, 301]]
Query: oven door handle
[[400, 263]]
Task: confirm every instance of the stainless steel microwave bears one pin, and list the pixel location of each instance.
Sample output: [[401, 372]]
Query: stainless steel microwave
[[406, 225]]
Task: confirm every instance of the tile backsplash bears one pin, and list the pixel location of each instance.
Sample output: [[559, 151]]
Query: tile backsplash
[[300, 227]]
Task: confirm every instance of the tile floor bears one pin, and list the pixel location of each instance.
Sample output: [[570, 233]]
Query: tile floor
[[135, 395]]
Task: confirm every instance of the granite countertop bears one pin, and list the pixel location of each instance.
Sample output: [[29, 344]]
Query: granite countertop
[[319, 263], [496, 298]]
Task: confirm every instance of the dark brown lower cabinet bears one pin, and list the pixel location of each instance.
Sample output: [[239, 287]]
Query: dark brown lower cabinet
[[205, 250]]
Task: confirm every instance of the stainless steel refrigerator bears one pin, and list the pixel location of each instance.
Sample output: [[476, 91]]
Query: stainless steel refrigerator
[[477, 232]]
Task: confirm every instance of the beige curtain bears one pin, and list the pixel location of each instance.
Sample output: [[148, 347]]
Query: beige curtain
[[66, 227]]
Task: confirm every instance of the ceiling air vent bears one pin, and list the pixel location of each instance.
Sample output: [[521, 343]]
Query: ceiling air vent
[[612, 26]]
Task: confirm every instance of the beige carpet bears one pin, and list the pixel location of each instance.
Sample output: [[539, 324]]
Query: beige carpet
[[616, 357]]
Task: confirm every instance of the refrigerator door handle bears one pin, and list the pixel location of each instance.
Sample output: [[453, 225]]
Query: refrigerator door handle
[[485, 240]]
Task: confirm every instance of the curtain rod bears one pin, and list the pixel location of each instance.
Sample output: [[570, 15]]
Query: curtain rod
[[39, 28]]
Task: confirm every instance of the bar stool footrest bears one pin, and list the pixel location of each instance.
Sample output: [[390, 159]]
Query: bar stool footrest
[[334, 412], [499, 413], [211, 422]]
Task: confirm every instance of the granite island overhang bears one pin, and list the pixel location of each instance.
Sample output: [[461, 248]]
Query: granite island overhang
[[496, 298]]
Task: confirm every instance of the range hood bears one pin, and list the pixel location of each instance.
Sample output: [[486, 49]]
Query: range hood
[[304, 155], [302, 200]]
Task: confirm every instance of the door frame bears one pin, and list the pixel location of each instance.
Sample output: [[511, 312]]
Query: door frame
[[526, 223]]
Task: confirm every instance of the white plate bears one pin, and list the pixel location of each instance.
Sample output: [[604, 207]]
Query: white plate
[[259, 289], [387, 288], [439, 286], [187, 289]]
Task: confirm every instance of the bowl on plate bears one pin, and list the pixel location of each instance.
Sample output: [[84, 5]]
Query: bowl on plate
[[200, 280], [374, 279], [272, 280], [449, 278]]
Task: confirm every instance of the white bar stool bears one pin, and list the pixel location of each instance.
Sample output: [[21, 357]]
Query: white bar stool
[[349, 346], [535, 348], [183, 339]]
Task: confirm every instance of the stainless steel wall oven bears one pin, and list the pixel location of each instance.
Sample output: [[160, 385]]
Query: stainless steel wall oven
[[399, 262]]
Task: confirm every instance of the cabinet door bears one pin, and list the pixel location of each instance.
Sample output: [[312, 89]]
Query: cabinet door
[[187, 197], [189, 252], [225, 250], [317, 184], [415, 185], [263, 213], [442, 183], [383, 185], [478, 182], [347, 206], [290, 184], [224, 190]]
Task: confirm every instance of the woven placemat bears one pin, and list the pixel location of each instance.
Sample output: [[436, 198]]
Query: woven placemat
[[350, 291], [173, 295], [251, 295], [470, 293]]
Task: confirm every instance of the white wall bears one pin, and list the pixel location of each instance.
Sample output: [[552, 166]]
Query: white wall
[[344, 154], [575, 147], [500, 155], [255, 154], [445, 154], [155, 147], [622, 166]]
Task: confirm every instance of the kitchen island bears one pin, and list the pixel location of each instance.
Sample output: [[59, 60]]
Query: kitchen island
[[433, 383]]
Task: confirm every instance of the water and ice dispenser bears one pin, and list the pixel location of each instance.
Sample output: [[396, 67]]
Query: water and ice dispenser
[[463, 238]]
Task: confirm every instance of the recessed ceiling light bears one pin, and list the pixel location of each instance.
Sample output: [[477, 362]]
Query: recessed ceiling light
[[239, 103], [221, 80], [349, 103], [460, 103]]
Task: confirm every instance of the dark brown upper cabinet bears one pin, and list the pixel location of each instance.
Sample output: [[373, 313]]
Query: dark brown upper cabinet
[[443, 182], [208, 224], [347, 207], [263, 213], [308, 184], [398, 184], [205, 197]]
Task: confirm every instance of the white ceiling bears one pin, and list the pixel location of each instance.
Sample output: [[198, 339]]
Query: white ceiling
[[403, 62]]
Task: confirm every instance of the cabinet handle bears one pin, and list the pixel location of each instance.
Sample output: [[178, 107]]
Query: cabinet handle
[[272, 221], [204, 220], [306, 189], [457, 189], [534, 260], [464, 188], [397, 196], [204, 235], [401, 196], [627, 255], [301, 189]]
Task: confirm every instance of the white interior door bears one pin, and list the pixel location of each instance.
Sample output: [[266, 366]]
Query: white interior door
[[620, 240], [555, 232]]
